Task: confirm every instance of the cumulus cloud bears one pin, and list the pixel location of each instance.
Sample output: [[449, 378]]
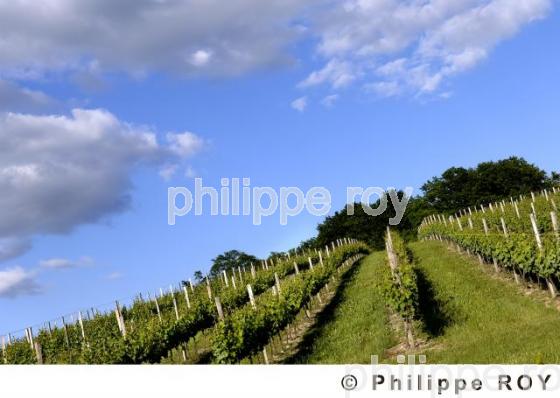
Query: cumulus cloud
[[58, 172], [190, 37], [17, 281], [299, 104], [413, 46], [359, 40]]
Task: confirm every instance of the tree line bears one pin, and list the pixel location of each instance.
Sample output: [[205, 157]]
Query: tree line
[[456, 188]]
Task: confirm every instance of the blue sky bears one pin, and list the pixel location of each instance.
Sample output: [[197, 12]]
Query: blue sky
[[412, 88]]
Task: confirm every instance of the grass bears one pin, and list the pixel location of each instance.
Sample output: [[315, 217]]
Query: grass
[[468, 315], [354, 325], [475, 318]]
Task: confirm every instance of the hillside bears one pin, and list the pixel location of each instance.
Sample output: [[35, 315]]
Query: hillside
[[467, 314]]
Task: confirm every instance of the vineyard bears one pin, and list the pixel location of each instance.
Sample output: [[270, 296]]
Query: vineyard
[[241, 312], [448, 296], [521, 235], [456, 295]]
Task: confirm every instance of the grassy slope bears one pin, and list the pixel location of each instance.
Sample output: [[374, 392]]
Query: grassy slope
[[354, 326], [478, 319]]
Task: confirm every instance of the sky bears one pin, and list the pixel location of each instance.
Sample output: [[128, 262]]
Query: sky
[[105, 105]]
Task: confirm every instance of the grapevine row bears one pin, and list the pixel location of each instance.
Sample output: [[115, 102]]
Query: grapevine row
[[520, 235], [398, 282], [147, 330], [249, 329]]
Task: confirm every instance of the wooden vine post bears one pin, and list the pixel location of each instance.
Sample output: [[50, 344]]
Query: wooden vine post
[[296, 268], [208, 289], [486, 232], [4, 349], [253, 273], [120, 319], [185, 290], [277, 283], [554, 219], [251, 297], [81, 322], [172, 292], [65, 328], [219, 308], [38, 352], [549, 281], [158, 311], [240, 274], [225, 278]]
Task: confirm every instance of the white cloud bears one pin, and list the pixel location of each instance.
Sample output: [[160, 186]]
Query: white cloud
[[211, 37], [58, 172], [60, 263], [168, 171], [299, 104], [432, 40], [329, 100], [337, 73], [385, 89], [200, 58], [185, 144], [414, 46], [16, 282]]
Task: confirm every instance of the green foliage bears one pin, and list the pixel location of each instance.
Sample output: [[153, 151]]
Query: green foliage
[[20, 353], [518, 250], [399, 285], [248, 330], [148, 338], [458, 187], [486, 319], [363, 226], [231, 260]]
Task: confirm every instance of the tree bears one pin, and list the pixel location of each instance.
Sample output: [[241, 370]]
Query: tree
[[230, 260], [308, 244], [459, 188], [198, 276], [361, 225], [276, 256]]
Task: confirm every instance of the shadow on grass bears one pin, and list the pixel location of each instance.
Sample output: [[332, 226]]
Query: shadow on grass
[[305, 347], [432, 310]]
